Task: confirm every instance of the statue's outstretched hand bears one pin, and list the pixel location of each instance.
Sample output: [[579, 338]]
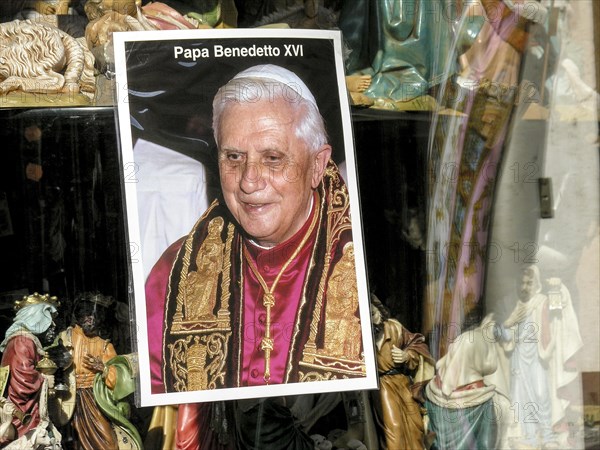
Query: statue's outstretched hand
[[93, 363]]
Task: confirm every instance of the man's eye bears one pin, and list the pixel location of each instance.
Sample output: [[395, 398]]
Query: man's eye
[[234, 157], [272, 159]]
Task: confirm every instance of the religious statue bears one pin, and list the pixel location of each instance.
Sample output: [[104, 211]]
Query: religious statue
[[99, 380], [541, 339], [402, 45], [405, 366], [43, 437], [49, 7], [109, 16], [104, 18], [26, 386], [460, 401], [39, 58], [357, 84]]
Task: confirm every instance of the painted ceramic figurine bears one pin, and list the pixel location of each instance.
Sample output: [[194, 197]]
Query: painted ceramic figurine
[[405, 366], [27, 387], [96, 370], [541, 339], [460, 401], [109, 16], [37, 57], [357, 84], [401, 44], [49, 6]]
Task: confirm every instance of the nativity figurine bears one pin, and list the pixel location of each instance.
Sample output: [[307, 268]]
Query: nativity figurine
[[109, 16], [39, 58], [461, 402], [402, 45], [27, 388], [541, 340], [99, 379], [405, 366]]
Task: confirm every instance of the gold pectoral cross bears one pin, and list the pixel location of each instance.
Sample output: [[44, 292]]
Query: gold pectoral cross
[[267, 343]]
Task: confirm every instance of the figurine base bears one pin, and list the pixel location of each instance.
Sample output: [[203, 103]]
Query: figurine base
[[20, 99], [421, 103]]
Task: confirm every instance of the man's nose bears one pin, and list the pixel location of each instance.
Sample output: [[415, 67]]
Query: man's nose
[[252, 178]]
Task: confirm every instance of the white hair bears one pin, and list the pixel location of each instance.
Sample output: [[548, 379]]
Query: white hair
[[309, 124]]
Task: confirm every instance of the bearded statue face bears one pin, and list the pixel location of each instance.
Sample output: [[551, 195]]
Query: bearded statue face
[[376, 318], [528, 285], [89, 316]]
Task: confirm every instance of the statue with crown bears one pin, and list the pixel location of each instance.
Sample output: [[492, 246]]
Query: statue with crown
[[27, 376]]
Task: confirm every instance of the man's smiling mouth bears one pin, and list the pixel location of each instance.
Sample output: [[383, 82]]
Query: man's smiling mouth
[[254, 206]]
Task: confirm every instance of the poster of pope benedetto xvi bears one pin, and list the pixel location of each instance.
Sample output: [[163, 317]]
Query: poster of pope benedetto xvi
[[243, 215]]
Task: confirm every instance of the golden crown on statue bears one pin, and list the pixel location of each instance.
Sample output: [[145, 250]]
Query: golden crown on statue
[[35, 299]]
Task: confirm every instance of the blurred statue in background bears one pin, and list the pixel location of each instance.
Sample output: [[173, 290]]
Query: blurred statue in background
[[26, 386], [541, 337], [405, 366]]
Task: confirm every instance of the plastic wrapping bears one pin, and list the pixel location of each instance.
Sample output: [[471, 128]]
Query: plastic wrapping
[[513, 217]]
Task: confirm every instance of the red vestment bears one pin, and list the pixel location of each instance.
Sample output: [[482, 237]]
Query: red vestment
[[25, 381], [208, 309], [197, 299]]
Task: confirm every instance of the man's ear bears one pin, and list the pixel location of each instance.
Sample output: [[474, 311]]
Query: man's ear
[[321, 158]]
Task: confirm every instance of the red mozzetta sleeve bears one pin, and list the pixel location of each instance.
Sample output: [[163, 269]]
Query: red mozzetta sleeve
[[156, 291]]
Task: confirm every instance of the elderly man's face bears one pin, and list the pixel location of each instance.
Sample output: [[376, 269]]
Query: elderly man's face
[[267, 173]]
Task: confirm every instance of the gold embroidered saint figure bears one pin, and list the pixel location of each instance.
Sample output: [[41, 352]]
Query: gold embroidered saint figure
[[201, 284], [342, 327]]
